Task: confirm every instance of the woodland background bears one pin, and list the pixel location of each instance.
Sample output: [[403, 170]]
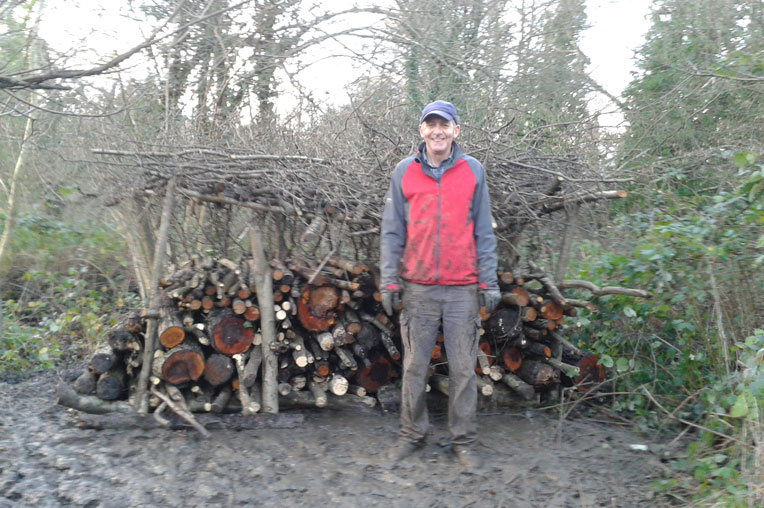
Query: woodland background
[[86, 146]]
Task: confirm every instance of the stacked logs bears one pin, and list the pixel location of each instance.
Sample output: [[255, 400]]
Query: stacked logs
[[331, 338]]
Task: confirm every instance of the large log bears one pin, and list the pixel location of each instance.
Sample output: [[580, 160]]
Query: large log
[[184, 362], [504, 323], [316, 308], [377, 375], [538, 374], [218, 369], [229, 335]]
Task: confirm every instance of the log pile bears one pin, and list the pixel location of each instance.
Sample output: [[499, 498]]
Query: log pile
[[333, 343]]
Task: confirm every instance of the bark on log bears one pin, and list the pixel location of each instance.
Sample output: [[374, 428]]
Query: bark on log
[[121, 341], [264, 290], [234, 422], [103, 359], [252, 367], [185, 362], [218, 369], [520, 387], [85, 384], [220, 401], [112, 385], [67, 397], [517, 296], [170, 327], [538, 374], [607, 290], [505, 322]]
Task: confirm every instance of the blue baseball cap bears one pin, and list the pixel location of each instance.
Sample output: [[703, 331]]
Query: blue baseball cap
[[441, 108]]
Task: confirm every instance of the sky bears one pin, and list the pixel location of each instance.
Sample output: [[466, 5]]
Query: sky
[[617, 28]]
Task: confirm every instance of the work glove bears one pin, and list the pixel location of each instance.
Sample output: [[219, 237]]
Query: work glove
[[391, 298], [490, 298]]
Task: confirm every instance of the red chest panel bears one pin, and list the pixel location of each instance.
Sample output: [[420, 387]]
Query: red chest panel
[[440, 243]]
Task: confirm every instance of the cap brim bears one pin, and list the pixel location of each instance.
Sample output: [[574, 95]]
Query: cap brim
[[439, 113]]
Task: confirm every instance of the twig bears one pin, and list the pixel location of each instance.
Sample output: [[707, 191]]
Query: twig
[[691, 424], [180, 412]]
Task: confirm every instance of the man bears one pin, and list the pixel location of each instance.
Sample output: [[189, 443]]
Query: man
[[437, 229]]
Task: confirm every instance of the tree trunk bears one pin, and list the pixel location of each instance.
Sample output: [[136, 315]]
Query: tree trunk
[[11, 208]]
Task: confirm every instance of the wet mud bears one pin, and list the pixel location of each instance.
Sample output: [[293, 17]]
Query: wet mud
[[330, 459]]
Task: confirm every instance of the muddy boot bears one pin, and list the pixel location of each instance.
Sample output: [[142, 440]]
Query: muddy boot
[[400, 450], [468, 457]]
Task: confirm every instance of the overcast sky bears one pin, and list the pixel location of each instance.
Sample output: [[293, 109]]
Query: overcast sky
[[617, 29]]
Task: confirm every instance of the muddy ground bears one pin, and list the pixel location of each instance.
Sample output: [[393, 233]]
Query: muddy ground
[[329, 459]]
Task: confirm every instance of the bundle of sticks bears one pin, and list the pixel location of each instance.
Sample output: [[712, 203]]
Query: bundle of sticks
[[332, 339]]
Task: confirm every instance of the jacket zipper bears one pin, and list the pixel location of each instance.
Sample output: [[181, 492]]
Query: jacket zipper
[[437, 235]]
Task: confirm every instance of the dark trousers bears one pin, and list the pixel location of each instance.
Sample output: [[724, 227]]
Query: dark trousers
[[424, 308]]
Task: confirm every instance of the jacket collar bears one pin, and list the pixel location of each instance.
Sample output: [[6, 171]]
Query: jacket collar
[[456, 154]]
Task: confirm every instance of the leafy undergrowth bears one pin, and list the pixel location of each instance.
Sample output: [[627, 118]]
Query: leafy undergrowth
[[65, 284]]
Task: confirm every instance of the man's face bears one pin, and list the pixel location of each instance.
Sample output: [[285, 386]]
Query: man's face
[[438, 134]]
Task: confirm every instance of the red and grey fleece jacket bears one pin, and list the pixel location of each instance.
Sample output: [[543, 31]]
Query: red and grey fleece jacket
[[438, 231]]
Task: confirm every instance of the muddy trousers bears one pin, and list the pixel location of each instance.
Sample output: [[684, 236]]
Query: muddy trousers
[[424, 308]]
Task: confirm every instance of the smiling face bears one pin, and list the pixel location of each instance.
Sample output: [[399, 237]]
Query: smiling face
[[438, 134]]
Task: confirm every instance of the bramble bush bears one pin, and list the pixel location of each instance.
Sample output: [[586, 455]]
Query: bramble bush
[[697, 346]]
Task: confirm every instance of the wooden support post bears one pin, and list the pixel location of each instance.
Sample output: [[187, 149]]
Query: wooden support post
[[141, 398], [264, 290]]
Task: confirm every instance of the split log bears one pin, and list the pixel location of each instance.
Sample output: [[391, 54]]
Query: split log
[[248, 406], [229, 335]]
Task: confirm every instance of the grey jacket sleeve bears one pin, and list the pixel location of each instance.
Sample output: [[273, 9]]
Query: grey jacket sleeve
[[393, 230], [485, 241]]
